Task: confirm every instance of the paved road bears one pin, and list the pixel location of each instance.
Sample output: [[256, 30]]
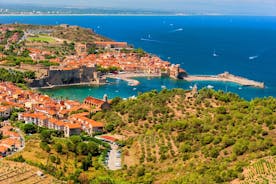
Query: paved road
[[114, 160]]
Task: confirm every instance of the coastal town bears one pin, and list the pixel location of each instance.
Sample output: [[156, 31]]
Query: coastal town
[[87, 62], [180, 135], [43, 111], [82, 63]]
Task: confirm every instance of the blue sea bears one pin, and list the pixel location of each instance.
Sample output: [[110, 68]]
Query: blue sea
[[245, 46]]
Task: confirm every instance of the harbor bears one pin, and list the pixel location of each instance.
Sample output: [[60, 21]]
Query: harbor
[[224, 77]]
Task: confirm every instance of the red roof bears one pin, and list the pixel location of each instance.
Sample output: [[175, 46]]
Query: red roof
[[94, 101], [3, 149], [73, 126], [95, 123], [108, 138]]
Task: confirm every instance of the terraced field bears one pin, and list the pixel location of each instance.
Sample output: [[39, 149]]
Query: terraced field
[[21, 173], [156, 147], [263, 171]]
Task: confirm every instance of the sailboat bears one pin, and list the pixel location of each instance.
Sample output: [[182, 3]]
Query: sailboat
[[214, 53]]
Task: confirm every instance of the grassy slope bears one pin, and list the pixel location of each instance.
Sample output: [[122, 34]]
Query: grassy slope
[[71, 33], [14, 172], [41, 38]]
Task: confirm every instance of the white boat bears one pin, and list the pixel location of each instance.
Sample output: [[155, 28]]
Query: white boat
[[210, 87], [253, 57], [117, 91], [215, 54], [191, 87], [134, 89], [163, 87], [240, 88], [131, 84]]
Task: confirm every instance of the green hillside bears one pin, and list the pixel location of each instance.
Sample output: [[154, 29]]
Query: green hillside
[[184, 137]]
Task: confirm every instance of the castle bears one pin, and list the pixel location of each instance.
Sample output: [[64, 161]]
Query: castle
[[63, 76]]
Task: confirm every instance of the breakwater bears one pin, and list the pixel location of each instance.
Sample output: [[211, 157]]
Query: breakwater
[[225, 77]]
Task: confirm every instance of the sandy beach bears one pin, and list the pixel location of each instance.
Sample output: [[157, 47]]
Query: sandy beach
[[128, 77]]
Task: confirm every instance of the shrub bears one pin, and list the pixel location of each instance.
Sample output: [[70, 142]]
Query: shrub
[[184, 148], [58, 147], [273, 150], [45, 146], [214, 152], [240, 147], [141, 171]]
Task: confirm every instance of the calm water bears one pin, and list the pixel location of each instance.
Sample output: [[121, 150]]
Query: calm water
[[190, 41]]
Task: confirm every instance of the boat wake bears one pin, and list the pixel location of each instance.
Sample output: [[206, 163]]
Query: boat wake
[[177, 30], [149, 40]]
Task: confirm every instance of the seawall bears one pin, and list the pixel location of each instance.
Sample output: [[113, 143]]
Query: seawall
[[225, 77]]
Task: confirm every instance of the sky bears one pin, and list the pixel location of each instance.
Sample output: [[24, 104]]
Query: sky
[[258, 7]]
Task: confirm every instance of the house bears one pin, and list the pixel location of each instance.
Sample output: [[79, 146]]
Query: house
[[91, 126], [10, 143], [3, 151], [107, 138], [115, 45], [70, 104], [5, 112], [5, 123], [97, 103], [38, 119], [72, 129]]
